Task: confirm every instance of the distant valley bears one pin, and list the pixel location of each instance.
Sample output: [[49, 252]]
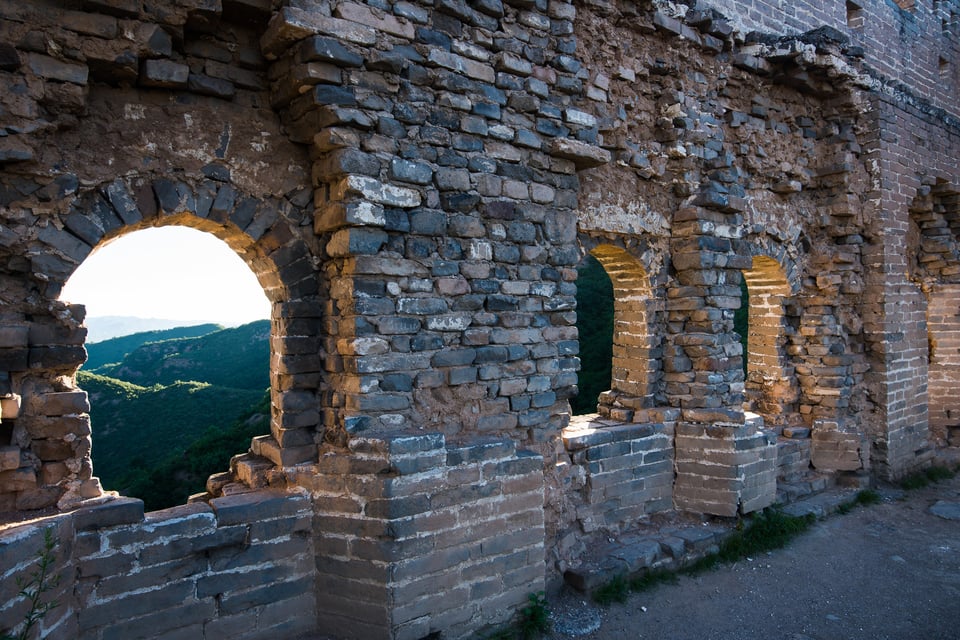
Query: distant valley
[[169, 407]]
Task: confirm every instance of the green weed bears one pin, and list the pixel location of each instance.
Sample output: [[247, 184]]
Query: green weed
[[766, 531], [651, 579], [532, 621], [535, 617], [41, 581], [927, 477], [863, 498], [616, 590]]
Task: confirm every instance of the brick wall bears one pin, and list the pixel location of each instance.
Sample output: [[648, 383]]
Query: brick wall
[[627, 469], [918, 46]]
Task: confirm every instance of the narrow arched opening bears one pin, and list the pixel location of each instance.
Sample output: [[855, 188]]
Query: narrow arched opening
[[615, 322], [770, 388], [595, 304]]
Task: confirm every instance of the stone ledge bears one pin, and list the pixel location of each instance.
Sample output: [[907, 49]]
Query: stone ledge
[[675, 544], [258, 505], [109, 513]]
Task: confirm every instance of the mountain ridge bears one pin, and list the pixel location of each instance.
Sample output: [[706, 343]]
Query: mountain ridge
[[173, 411]]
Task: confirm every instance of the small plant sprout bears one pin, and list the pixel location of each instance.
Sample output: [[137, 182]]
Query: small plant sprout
[[41, 580]]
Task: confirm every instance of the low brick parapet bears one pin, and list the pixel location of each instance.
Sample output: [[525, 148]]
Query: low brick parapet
[[239, 567]]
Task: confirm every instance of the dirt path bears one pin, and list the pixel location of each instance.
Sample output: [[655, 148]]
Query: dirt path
[[885, 572]]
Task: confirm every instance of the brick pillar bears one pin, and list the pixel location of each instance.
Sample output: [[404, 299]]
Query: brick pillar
[[45, 430], [894, 323], [414, 537], [445, 226], [724, 465]]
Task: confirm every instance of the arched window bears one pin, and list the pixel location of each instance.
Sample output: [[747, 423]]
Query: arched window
[[632, 364], [769, 387], [595, 328], [178, 360]]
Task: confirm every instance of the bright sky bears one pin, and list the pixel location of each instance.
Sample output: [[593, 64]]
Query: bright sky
[[174, 273]]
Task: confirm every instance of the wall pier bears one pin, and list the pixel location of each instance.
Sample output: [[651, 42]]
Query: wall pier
[[414, 536]]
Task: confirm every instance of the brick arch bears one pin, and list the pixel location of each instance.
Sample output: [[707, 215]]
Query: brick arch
[[635, 366], [933, 234], [933, 248], [264, 231], [770, 385]]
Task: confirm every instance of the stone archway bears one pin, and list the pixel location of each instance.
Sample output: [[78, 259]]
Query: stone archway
[[770, 386], [51, 429], [934, 248], [635, 367]]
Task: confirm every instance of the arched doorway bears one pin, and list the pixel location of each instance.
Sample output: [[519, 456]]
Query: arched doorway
[[595, 304]]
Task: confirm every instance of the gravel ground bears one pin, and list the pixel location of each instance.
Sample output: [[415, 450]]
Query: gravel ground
[[889, 571]]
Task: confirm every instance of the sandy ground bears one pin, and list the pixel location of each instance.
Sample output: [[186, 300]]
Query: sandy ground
[[889, 571]]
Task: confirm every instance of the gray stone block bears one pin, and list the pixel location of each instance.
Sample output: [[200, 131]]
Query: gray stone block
[[53, 69], [257, 505], [319, 48], [238, 601], [411, 171], [207, 86], [164, 74], [109, 514]]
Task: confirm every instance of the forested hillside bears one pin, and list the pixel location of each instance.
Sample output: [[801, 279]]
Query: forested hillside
[[237, 358], [595, 326], [171, 412], [114, 350]]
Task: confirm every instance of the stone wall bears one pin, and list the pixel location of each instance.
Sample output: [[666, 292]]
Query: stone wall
[[414, 185], [238, 567]]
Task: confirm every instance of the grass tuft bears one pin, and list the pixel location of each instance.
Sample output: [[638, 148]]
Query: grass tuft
[[531, 622], [616, 590], [535, 617], [863, 498], [927, 477], [766, 531], [651, 579]]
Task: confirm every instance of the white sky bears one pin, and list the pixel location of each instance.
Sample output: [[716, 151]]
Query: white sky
[[174, 273]]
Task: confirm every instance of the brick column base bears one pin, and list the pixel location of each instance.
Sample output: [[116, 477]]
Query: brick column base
[[834, 448], [414, 537], [724, 469]]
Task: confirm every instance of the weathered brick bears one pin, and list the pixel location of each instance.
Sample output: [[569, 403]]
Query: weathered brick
[[118, 511], [165, 74], [259, 505], [53, 69]]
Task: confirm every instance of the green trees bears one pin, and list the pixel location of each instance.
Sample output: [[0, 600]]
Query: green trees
[[168, 413], [595, 326]]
